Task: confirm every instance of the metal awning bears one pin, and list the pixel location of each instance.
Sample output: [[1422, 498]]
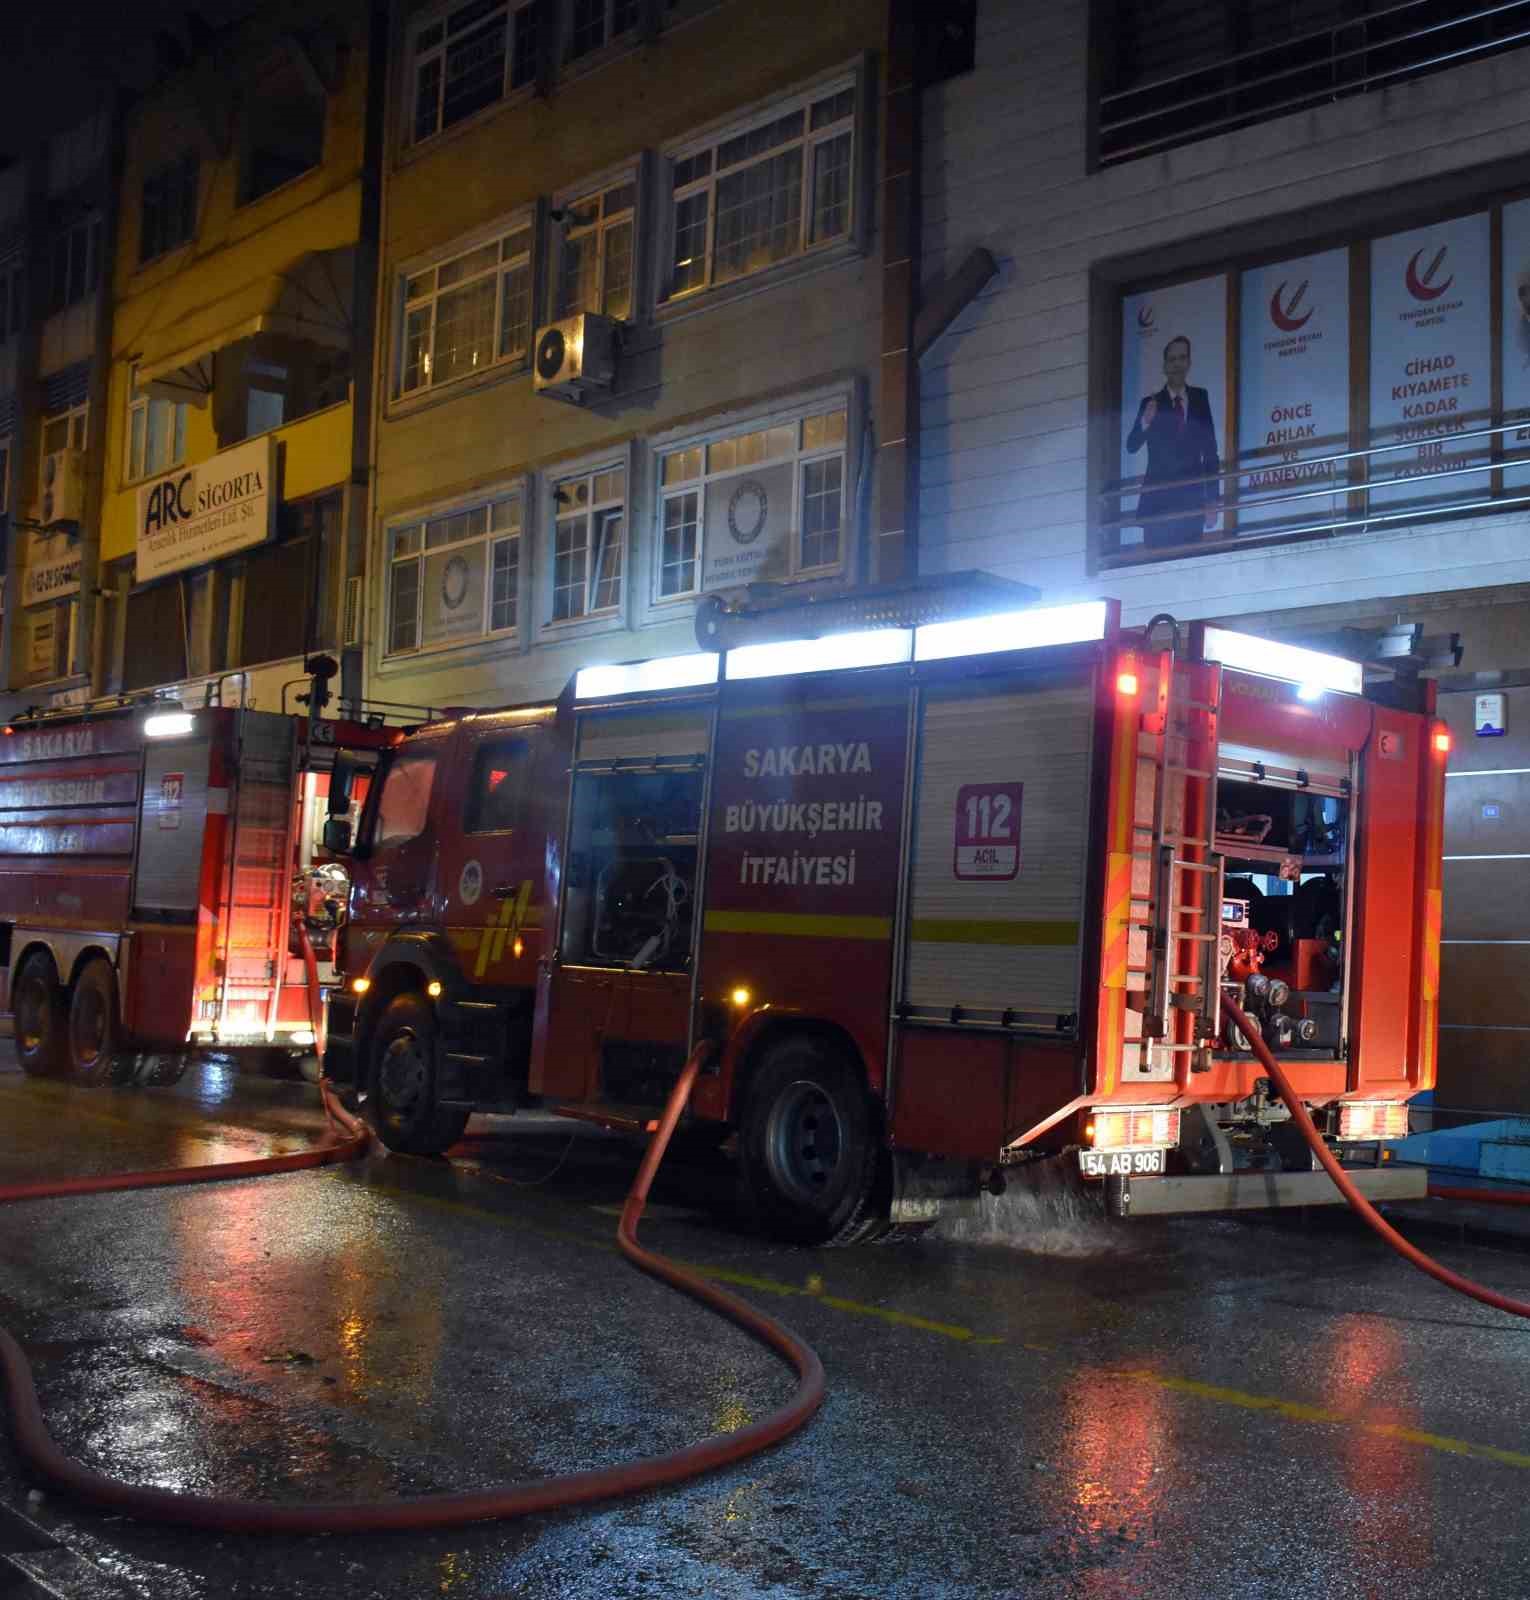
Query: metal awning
[[310, 301]]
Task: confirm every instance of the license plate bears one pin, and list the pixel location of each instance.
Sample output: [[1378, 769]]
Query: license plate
[[1121, 1163]]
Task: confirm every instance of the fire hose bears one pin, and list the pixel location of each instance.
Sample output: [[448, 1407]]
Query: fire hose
[[38, 1450], [1346, 1186]]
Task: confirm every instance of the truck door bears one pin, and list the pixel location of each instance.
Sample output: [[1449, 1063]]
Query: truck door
[[614, 1001], [492, 869]]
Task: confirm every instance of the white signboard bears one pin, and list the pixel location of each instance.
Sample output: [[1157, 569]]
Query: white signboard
[[1515, 351], [199, 514], [1431, 356], [748, 526], [1173, 347], [52, 570], [453, 594], [1293, 387]]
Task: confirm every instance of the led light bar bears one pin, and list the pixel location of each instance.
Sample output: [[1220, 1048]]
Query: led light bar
[[876, 647], [1011, 630], [168, 725], [694, 671], [1310, 668]]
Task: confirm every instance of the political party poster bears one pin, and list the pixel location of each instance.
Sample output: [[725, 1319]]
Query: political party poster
[[1431, 359], [1293, 389], [1515, 343], [1173, 399]]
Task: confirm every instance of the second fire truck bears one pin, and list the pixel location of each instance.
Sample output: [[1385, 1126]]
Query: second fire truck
[[945, 896]]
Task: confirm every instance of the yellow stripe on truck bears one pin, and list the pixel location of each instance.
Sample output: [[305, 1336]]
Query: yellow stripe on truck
[[799, 924]]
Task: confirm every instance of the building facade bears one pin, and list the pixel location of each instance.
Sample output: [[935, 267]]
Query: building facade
[[629, 329], [233, 518], [1309, 226]]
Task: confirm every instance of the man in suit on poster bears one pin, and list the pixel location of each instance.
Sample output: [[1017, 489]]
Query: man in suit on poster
[[1175, 424]]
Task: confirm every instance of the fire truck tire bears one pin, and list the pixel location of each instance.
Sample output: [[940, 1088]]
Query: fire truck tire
[[42, 1018], [401, 1087], [807, 1145], [93, 1028]]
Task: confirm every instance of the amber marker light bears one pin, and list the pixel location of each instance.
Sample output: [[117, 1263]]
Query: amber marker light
[[740, 996], [361, 985], [517, 947], [1126, 683], [433, 989], [1442, 741]]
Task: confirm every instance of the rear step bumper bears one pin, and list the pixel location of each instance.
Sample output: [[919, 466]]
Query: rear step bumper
[[1176, 1194]]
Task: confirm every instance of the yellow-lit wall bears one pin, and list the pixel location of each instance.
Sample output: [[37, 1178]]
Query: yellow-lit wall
[[788, 334], [233, 247]]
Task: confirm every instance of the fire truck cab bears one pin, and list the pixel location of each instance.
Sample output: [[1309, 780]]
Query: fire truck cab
[[946, 897]]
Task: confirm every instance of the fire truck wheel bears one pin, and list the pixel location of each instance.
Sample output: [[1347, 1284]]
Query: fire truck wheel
[[41, 1019], [807, 1144], [93, 1024], [401, 1099]]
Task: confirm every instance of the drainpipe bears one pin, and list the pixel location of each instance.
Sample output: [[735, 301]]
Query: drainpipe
[[897, 544]]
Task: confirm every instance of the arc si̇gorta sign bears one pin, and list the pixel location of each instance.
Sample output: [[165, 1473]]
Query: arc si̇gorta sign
[[195, 515]]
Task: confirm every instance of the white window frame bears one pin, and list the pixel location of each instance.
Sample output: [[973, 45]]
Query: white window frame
[[77, 419], [419, 57], [849, 82], [608, 617], [140, 404], [569, 201], [522, 258], [802, 457], [496, 532]]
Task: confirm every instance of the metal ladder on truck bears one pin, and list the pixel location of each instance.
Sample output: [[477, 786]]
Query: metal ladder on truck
[[1175, 838]]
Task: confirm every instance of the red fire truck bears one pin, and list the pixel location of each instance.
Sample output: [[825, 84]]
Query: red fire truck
[[948, 896], [147, 863]]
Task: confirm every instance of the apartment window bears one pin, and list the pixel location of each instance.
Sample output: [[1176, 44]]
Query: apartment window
[[469, 58], [156, 433], [589, 531], [281, 133], [76, 264], [66, 430], [767, 503], [595, 253], [157, 631], [12, 280], [762, 195], [169, 215], [455, 577], [468, 314], [592, 23]]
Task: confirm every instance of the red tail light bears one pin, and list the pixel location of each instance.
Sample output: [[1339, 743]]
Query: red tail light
[[1132, 1128], [1373, 1119]]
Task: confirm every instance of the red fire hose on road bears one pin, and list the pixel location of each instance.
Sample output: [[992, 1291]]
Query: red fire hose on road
[[38, 1450], [1409, 1252]]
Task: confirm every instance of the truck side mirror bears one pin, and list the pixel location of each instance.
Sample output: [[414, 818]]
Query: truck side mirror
[[337, 836], [342, 780]]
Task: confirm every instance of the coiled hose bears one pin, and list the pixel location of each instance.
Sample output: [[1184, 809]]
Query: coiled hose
[[1299, 1115], [38, 1450]]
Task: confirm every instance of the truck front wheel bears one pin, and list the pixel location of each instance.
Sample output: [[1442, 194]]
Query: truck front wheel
[[41, 1019], [401, 1087], [807, 1145]]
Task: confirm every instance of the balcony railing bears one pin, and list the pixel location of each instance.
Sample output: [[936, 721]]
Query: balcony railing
[[1362, 491], [1232, 87]]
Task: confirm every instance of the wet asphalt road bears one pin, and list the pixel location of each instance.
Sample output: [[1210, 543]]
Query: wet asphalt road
[[1191, 1409]]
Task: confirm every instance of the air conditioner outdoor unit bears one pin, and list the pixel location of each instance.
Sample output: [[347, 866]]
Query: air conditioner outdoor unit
[[575, 356], [61, 495]]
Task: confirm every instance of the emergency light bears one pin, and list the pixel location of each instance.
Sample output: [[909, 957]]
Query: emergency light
[[1029, 629], [1309, 668], [693, 671], [167, 725], [873, 647]]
